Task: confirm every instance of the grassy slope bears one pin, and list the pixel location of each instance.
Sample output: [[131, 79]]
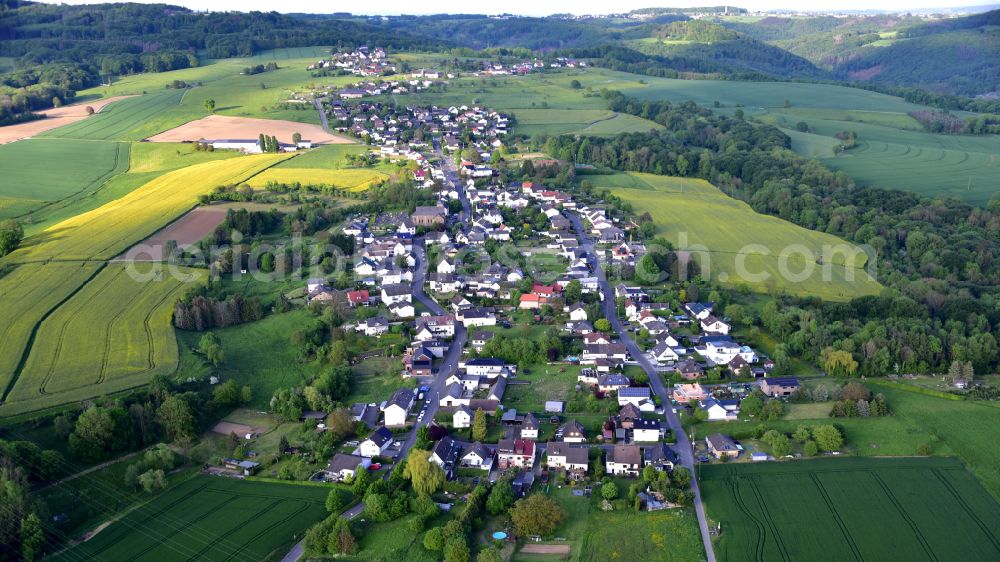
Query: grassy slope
[[695, 215], [260, 354]]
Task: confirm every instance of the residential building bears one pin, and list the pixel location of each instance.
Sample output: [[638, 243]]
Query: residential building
[[721, 445], [779, 386], [343, 466], [624, 460], [376, 443], [518, 453], [398, 407], [565, 456]]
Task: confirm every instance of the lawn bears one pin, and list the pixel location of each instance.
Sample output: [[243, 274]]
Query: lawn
[[114, 334], [741, 247], [851, 508], [376, 379], [210, 518], [260, 354], [594, 535], [31, 183]]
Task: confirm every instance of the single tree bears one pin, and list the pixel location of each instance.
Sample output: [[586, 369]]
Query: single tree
[[537, 514], [479, 425], [210, 105], [609, 491], [425, 476]]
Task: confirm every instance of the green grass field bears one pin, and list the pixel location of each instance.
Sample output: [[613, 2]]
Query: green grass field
[[327, 157], [739, 244], [208, 518], [32, 183], [260, 354], [131, 118], [594, 535], [851, 509], [114, 334]]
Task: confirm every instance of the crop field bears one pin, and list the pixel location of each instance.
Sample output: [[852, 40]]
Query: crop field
[[113, 334], [26, 296], [30, 182], [208, 518], [739, 246], [890, 154], [851, 509], [130, 119], [359, 179], [108, 230]]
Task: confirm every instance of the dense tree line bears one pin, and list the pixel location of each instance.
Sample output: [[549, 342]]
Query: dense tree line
[[938, 257], [199, 313]]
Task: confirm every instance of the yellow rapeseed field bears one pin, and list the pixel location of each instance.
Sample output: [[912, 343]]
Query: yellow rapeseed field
[[349, 179]]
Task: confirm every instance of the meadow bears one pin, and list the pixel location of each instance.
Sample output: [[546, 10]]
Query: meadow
[[113, 334], [131, 119], [695, 215], [260, 354], [209, 518], [851, 508], [594, 535], [31, 185]]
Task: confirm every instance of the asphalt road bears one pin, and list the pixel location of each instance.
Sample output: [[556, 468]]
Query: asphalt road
[[448, 364], [683, 445]]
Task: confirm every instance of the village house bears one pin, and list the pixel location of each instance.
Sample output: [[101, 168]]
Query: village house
[[480, 338], [462, 418], [639, 396], [397, 293], [567, 457], [572, 432], [645, 430], [478, 455], [716, 411], [374, 327], [446, 454], [376, 443], [398, 407], [519, 453], [624, 460], [721, 445], [342, 466], [779, 387], [529, 427], [713, 325], [661, 457]]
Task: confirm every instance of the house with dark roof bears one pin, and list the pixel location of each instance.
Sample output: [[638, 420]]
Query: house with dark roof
[[721, 445], [343, 466], [624, 460], [519, 453], [779, 386], [645, 430], [398, 407], [446, 454], [572, 432], [376, 443], [660, 456], [565, 456], [478, 455], [529, 427]]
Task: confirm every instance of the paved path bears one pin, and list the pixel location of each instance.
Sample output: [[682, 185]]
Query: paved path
[[322, 115], [683, 445]]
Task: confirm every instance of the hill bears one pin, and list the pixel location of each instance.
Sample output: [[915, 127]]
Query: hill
[[729, 50], [951, 59], [738, 243]]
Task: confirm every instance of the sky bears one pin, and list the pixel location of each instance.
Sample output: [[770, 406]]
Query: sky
[[536, 8]]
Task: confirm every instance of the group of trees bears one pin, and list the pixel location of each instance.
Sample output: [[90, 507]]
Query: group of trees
[[11, 234], [324, 393], [268, 143], [814, 439], [945, 122], [260, 68], [199, 313], [855, 400]]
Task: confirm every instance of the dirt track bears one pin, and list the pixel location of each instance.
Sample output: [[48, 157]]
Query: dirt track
[[225, 127], [532, 548], [54, 118]]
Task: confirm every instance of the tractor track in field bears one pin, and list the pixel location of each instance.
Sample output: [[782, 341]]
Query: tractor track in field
[[246, 544], [836, 517], [62, 332], [34, 331], [906, 517], [968, 509]]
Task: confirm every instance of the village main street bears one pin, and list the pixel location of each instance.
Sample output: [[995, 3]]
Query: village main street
[[682, 443]]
